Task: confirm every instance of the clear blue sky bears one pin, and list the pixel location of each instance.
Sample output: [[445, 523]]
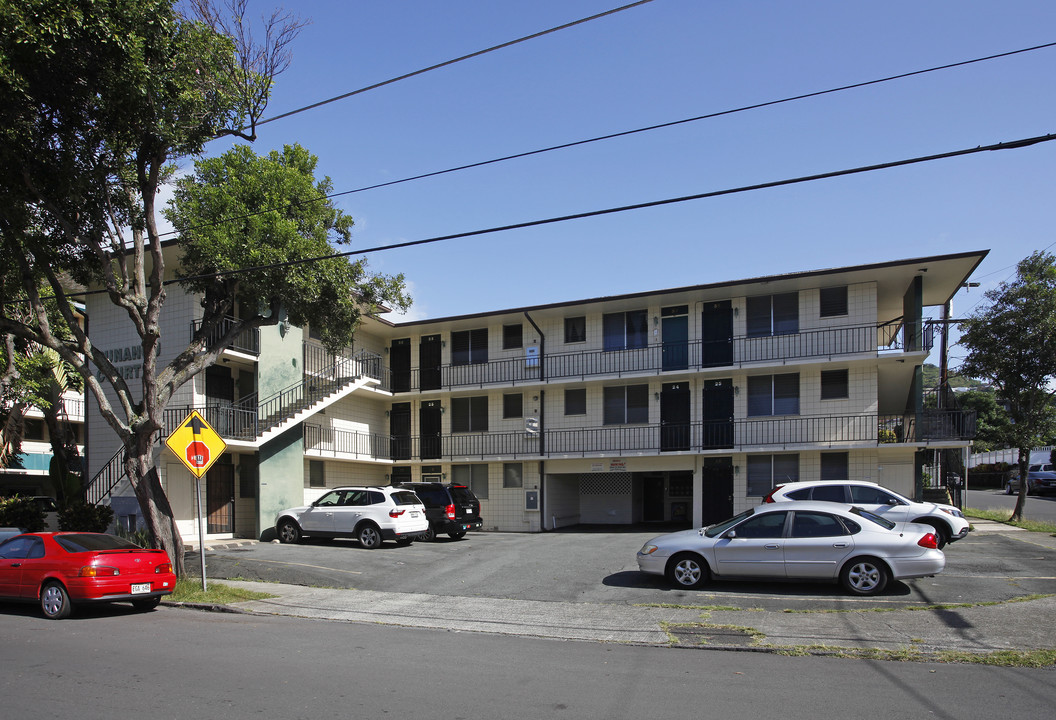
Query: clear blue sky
[[664, 61]]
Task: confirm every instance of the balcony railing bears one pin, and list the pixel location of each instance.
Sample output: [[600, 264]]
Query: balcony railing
[[787, 432], [332, 442], [235, 422], [247, 341], [666, 357]]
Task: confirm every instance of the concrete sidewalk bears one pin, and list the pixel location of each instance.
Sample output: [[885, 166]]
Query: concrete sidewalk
[[1025, 625]]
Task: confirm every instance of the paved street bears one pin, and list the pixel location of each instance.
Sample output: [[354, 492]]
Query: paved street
[[585, 585], [176, 663], [1039, 507]]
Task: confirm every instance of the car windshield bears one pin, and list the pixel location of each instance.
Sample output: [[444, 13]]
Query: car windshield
[[720, 528], [90, 542], [866, 515]]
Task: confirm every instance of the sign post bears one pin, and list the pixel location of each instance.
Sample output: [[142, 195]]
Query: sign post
[[197, 446]]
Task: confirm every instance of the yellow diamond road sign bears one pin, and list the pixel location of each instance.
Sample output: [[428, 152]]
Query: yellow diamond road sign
[[196, 444]]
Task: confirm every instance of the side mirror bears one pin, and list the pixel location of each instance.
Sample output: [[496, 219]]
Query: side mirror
[[731, 534]]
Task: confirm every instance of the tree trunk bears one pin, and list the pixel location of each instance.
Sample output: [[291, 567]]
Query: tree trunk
[[154, 504], [1021, 500]]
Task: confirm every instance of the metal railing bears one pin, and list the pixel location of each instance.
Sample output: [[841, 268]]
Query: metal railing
[[247, 341], [788, 432], [666, 357], [333, 442], [106, 479]]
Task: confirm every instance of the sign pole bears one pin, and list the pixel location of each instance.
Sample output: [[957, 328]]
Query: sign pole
[[201, 530]]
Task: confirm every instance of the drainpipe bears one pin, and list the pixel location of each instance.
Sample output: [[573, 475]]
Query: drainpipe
[[542, 422]]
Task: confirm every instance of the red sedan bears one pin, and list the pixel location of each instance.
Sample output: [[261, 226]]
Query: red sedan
[[62, 569]]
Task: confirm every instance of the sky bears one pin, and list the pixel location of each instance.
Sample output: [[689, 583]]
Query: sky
[[664, 61]]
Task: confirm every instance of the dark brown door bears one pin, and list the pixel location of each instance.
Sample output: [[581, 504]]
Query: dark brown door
[[220, 499]]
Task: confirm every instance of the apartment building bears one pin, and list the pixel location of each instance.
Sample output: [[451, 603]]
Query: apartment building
[[682, 405]]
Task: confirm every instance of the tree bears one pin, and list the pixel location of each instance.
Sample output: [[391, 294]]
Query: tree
[[992, 424], [97, 100], [1010, 344]]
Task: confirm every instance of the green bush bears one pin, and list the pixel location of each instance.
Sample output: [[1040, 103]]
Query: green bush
[[140, 536], [21, 513], [82, 517]]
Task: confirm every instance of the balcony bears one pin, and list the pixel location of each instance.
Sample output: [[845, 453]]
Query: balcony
[[790, 433], [247, 341], [666, 357]]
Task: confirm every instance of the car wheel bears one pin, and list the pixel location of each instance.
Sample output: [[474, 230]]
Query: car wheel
[[457, 535], [942, 536], [429, 535], [864, 576], [687, 570], [369, 536], [146, 604], [289, 532], [55, 601]]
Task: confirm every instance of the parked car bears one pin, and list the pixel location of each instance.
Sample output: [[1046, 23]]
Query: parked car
[[1041, 479], [450, 508], [368, 514], [820, 541], [947, 522], [63, 569]]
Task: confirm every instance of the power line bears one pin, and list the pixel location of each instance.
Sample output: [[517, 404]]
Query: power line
[[625, 133], [478, 53], [1015, 144]]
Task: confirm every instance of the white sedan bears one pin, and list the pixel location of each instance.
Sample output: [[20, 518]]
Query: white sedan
[[805, 540]]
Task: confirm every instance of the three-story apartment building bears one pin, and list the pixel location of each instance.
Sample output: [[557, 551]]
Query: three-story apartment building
[[682, 405]]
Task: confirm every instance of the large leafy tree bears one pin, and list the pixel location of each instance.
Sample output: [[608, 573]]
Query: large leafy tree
[[1010, 344], [98, 99]]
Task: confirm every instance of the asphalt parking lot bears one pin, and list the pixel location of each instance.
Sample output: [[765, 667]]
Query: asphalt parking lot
[[587, 566]]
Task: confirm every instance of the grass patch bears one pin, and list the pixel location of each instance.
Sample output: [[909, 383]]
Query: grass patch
[[190, 590], [997, 658], [1002, 516]]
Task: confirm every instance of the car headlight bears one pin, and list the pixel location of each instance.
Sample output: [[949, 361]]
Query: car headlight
[[953, 511], [647, 549]]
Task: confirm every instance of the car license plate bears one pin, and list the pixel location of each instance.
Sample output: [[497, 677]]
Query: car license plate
[[140, 588], [414, 513]]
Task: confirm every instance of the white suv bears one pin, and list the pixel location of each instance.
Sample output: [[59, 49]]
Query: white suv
[[948, 521], [368, 514]]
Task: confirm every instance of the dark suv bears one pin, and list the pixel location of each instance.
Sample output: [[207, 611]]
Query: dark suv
[[451, 509]]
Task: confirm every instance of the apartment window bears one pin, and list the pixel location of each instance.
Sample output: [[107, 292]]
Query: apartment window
[[475, 477], [623, 331], [316, 476], [469, 347], [576, 401], [626, 405], [575, 329], [767, 471], [834, 384], [834, 465], [33, 429], [833, 301], [773, 395], [512, 336], [513, 405], [400, 475], [469, 414], [773, 315], [512, 475]]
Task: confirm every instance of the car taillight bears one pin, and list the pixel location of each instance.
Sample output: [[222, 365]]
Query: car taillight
[[770, 496], [450, 512], [98, 571], [163, 568], [929, 541], [396, 512]]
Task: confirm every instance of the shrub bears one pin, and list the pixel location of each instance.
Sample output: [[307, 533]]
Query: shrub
[[140, 536], [82, 517], [22, 513]]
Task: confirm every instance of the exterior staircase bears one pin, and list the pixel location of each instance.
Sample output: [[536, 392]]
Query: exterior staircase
[[256, 422]]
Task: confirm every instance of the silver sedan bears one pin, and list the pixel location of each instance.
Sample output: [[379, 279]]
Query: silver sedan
[[809, 541]]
